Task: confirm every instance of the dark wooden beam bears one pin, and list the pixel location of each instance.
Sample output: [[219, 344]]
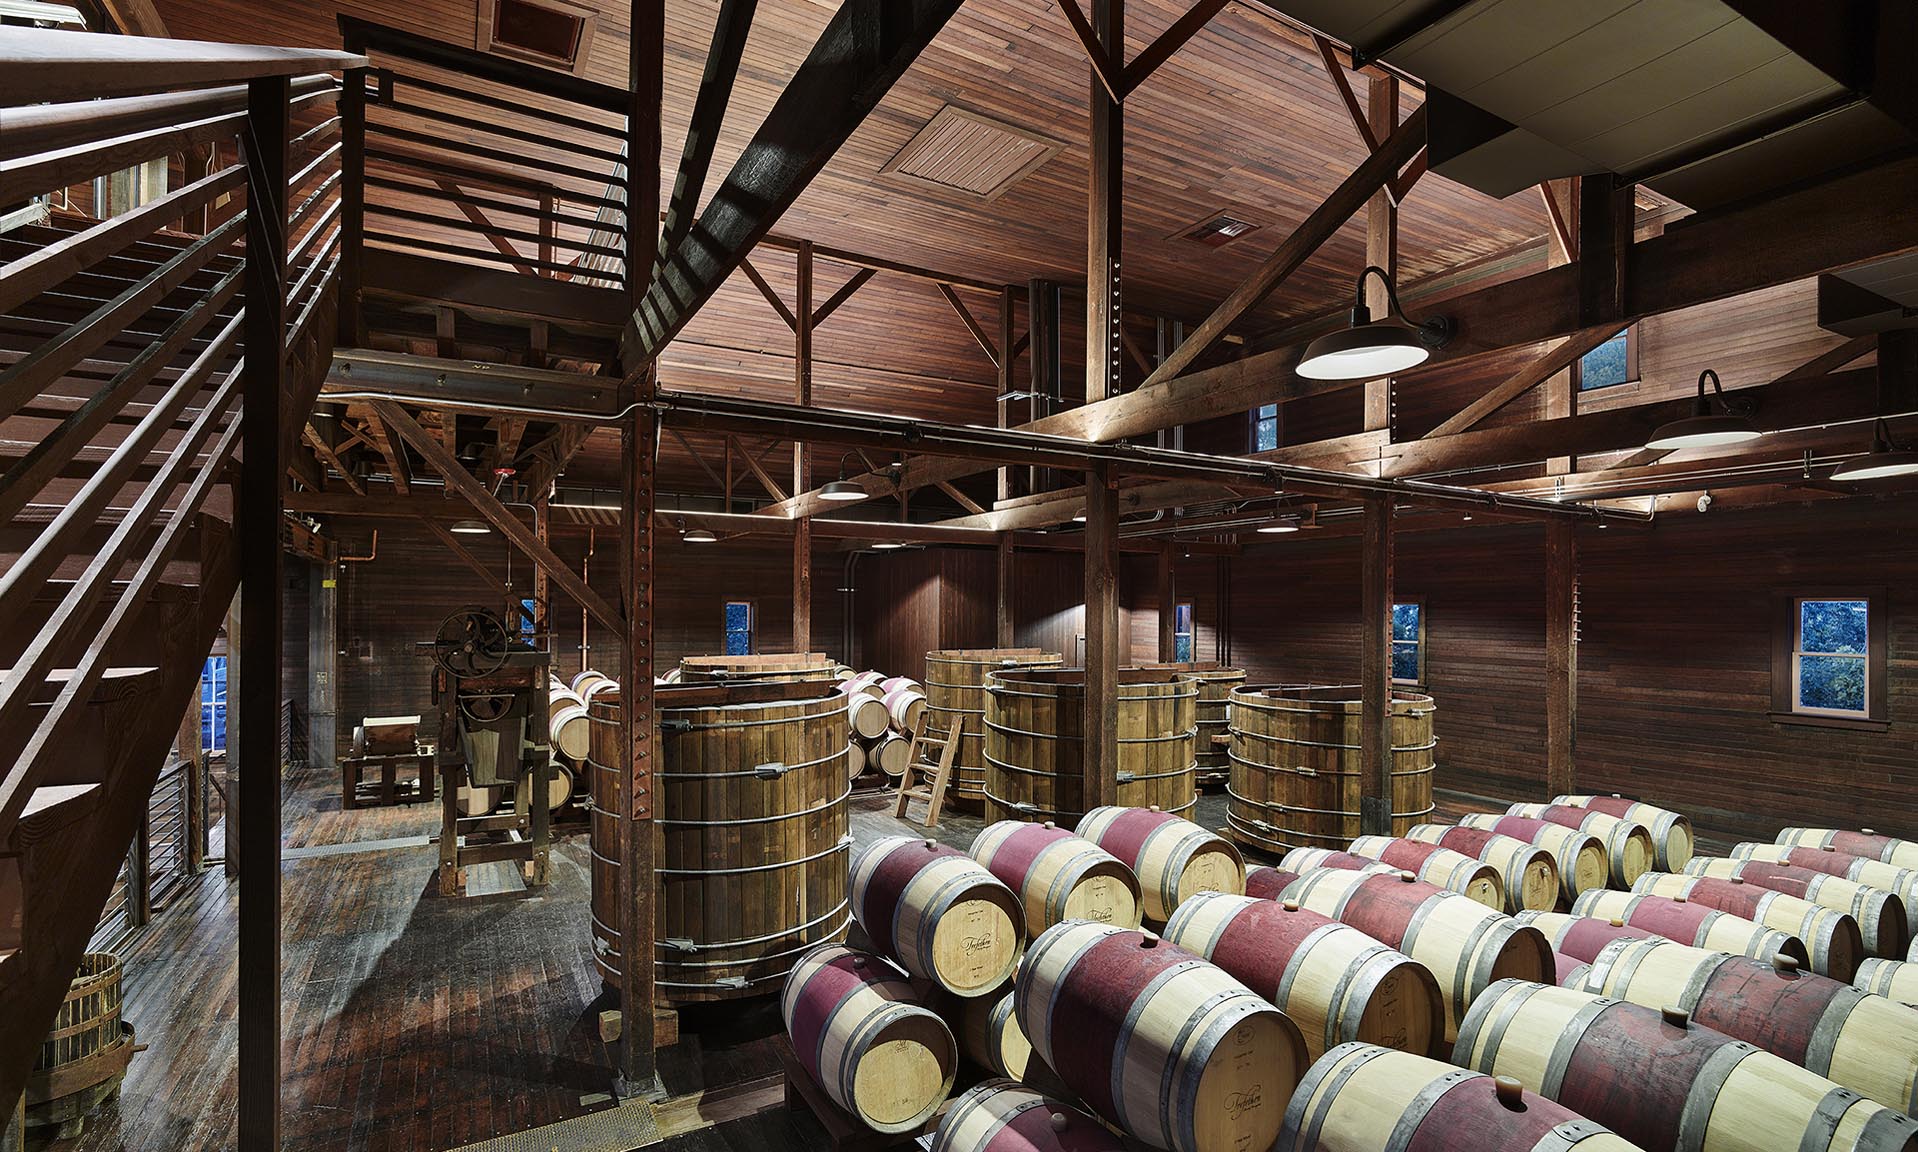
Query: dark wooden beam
[[1361, 119], [709, 113], [1381, 226], [1105, 212], [331, 458], [1107, 69], [866, 46], [1554, 360], [1605, 219], [1003, 604], [771, 296], [1375, 668], [1170, 41], [1561, 659], [972, 324], [855, 282], [1168, 607], [1100, 750]]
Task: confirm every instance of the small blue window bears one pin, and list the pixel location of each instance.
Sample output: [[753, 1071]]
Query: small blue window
[[527, 617], [1608, 364], [1182, 633], [213, 705], [1408, 643], [1265, 428], [1830, 662], [739, 628]]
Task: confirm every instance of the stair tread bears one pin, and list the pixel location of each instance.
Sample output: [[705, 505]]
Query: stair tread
[[53, 807], [113, 684], [161, 590]]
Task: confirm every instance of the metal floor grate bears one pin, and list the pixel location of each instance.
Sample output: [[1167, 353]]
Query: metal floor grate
[[619, 1129]]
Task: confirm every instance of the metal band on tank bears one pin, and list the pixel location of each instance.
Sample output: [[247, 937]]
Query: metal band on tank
[[1202, 1049], [1303, 1130], [1133, 1011]]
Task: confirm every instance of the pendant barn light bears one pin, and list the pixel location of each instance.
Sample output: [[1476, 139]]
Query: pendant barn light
[[1275, 526], [470, 528], [1884, 459], [887, 545], [1704, 428], [1371, 348], [699, 536], [842, 488]]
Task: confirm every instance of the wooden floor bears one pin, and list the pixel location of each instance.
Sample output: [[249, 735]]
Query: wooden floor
[[414, 1021]]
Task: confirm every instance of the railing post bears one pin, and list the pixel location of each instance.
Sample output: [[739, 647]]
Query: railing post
[[258, 825], [352, 205]]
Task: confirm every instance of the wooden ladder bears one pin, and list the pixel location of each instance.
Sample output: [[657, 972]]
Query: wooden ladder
[[933, 791]]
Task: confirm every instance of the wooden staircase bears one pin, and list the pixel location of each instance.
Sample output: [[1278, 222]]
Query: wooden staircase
[[126, 370]]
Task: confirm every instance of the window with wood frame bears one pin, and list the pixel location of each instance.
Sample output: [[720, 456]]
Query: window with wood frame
[[1182, 632], [1408, 643], [1265, 428], [739, 628], [1828, 658], [1611, 363]]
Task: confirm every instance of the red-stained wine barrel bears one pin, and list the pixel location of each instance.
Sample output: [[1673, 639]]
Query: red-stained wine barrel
[[1464, 944], [1867, 843], [938, 913], [1880, 914], [1530, 877], [1303, 860], [1859, 869], [855, 1029], [1692, 924], [1671, 831], [1832, 938], [1581, 938], [1335, 982], [1436, 865], [1004, 1116], [1162, 1044], [1579, 855], [1363, 1098], [1173, 858], [1267, 883], [1629, 852], [1894, 979], [1866, 1043], [1059, 876], [1662, 1081]]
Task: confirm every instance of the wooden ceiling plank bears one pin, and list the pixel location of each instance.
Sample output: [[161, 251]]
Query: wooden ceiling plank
[[709, 114], [972, 324], [1170, 41]]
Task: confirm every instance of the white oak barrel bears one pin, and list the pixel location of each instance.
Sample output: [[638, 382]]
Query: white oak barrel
[[938, 912], [855, 759], [867, 682], [1363, 1098], [1579, 856], [1173, 858], [1528, 872], [1832, 938], [1004, 1116], [1166, 1046], [865, 713], [1264, 882], [990, 1036], [1880, 914], [1303, 860], [905, 704], [1035, 744], [1894, 979], [1661, 1080], [1859, 869], [1295, 776], [775, 666], [559, 787], [1866, 1043], [1629, 852], [1866, 843], [1464, 944], [956, 694], [857, 1031], [1581, 938], [1059, 876], [1694, 924], [1436, 865], [1213, 713], [889, 683], [1672, 837], [1335, 982], [583, 681], [891, 754], [567, 726]]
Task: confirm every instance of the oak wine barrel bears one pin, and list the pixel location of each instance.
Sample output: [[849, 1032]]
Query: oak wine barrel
[[1363, 1098], [956, 693], [865, 713], [1867, 843], [1527, 871], [567, 727], [1672, 838], [1335, 982], [1579, 855], [856, 1029], [1858, 869], [892, 683], [85, 1054], [1894, 979], [1059, 876], [750, 791], [1438, 866], [1173, 858], [1831, 937], [1164, 1045], [891, 754], [1034, 749], [1581, 938], [1213, 714], [938, 913], [583, 681], [904, 705], [559, 786], [1866, 1043], [1300, 861], [1693, 924], [1004, 1116], [775, 666], [1880, 914], [1295, 776], [1464, 944], [1661, 1080], [1264, 882], [990, 1036], [855, 759], [1629, 853]]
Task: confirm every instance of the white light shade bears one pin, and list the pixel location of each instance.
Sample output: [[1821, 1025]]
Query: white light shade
[[1712, 431], [887, 544], [1279, 526], [842, 489], [470, 528], [1079, 519], [1878, 464], [1364, 352], [699, 536]]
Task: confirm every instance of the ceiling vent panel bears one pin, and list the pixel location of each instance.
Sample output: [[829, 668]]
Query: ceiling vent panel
[[965, 152], [1218, 230], [553, 33]]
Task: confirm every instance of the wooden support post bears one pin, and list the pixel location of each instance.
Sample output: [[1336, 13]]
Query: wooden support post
[[1105, 213], [1375, 668], [1042, 326], [322, 666], [1004, 604], [1003, 488], [351, 323], [802, 476], [1101, 749], [542, 587], [1381, 239], [1168, 608], [1561, 658], [257, 842], [193, 756], [230, 861]]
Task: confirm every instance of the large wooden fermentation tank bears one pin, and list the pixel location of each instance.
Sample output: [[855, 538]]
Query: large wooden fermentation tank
[[753, 839], [758, 666], [956, 693], [1295, 766], [1216, 683], [1035, 745]]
